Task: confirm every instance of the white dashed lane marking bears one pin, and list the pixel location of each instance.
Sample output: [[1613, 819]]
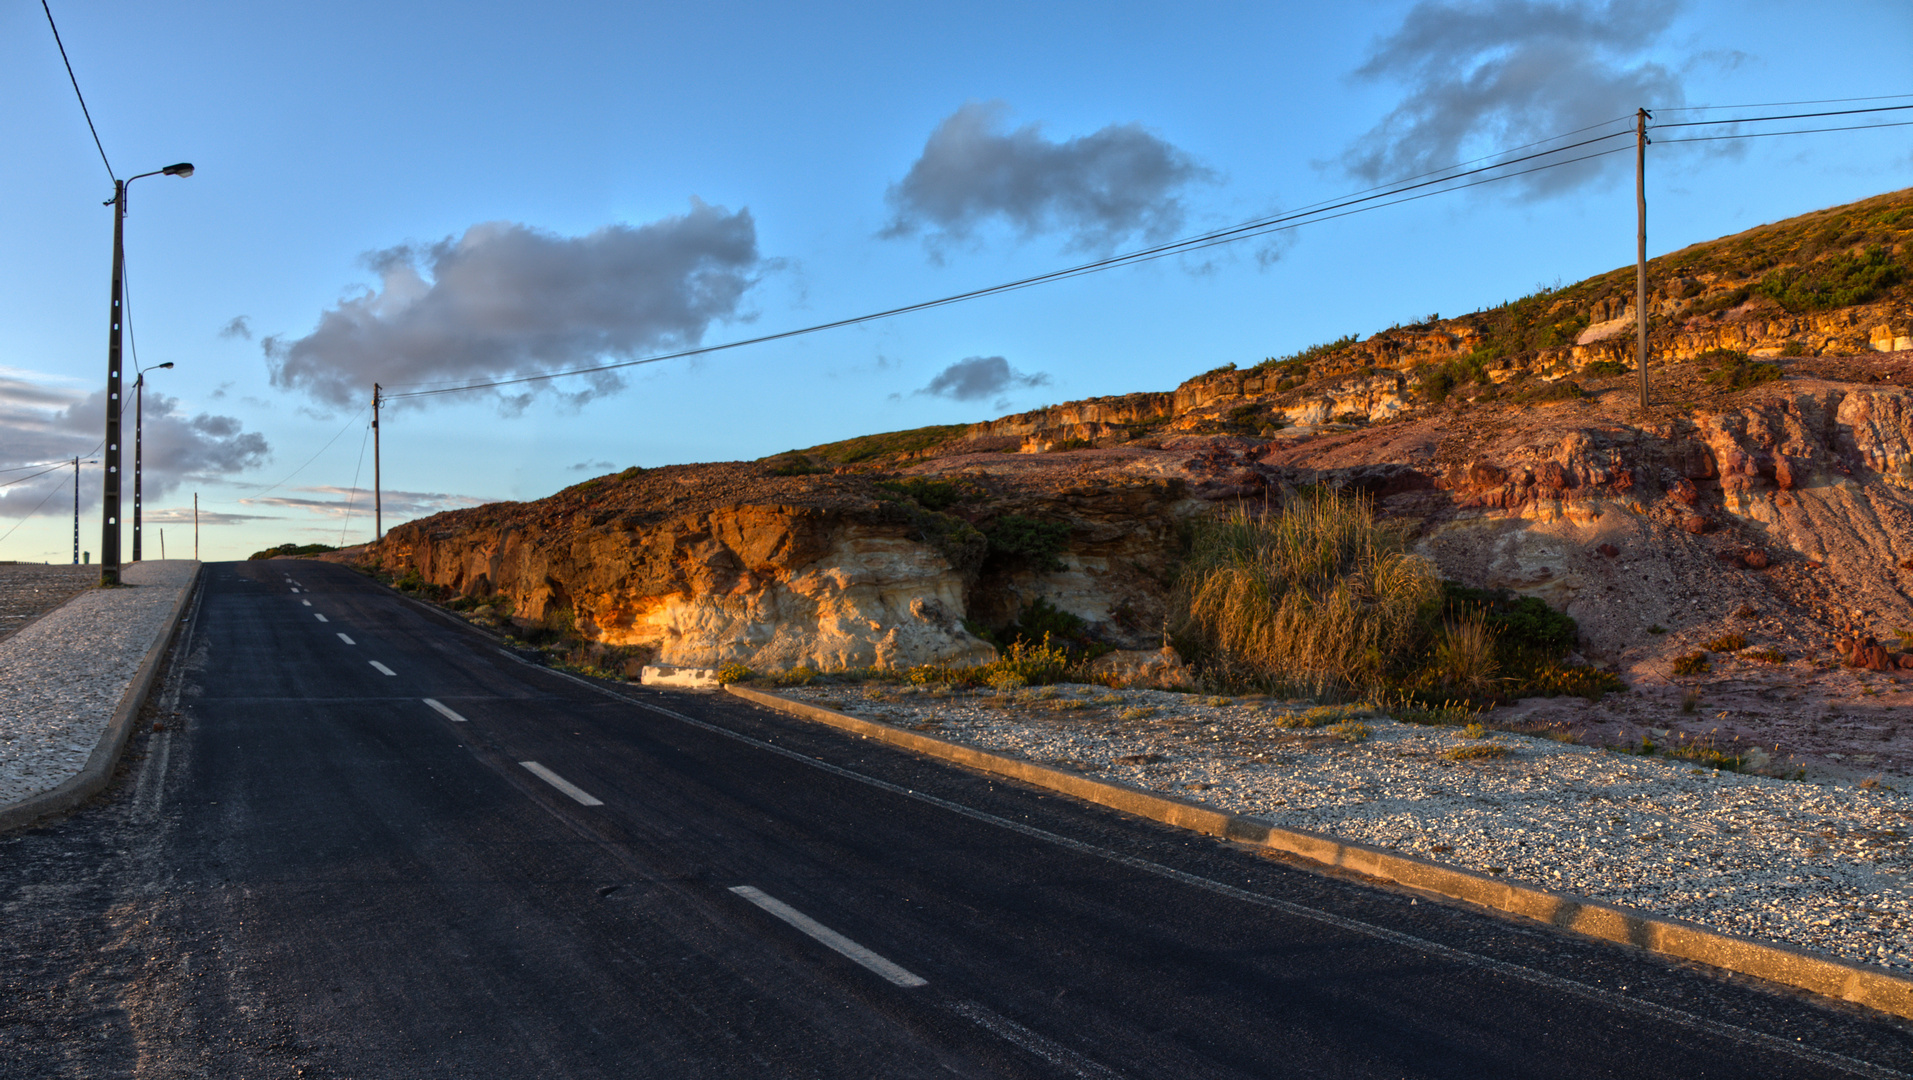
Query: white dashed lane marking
[[560, 783], [830, 938], [383, 670], [345, 639], [445, 712], [320, 617], [307, 603]]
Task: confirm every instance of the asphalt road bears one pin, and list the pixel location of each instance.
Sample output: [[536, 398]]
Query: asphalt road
[[314, 870]]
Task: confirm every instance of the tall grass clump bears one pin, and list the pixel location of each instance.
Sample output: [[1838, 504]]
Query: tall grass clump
[[1319, 597]]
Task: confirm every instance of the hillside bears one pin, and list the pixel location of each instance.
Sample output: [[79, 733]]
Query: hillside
[[1766, 497]]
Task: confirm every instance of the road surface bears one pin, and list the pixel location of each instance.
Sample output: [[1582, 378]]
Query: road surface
[[369, 842]]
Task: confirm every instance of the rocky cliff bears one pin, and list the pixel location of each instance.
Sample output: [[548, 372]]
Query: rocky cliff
[[1771, 495]]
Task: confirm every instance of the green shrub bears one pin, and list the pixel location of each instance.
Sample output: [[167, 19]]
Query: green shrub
[[794, 464], [735, 673], [1519, 623], [1352, 731], [1734, 370], [1027, 542], [933, 494], [1726, 643], [1564, 390], [1296, 364], [1601, 369], [1320, 596], [1476, 752], [1041, 621], [1841, 281], [1694, 663], [801, 675], [1766, 656], [1793, 347]]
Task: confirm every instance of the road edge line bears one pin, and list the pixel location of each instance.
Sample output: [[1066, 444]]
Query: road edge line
[[93, 778], [1828, 976]]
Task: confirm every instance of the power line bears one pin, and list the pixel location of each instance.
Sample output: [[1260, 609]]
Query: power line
[[1800, 131], [52, 491], [353, 495], [1782, 104], [310, 460], [1238, 232], [1484, 157], [41, 473], [76, 92], [1788, 116]]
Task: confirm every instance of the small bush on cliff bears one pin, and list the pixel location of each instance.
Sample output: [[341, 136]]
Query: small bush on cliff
[[794, 464], [1841, 281], [1027, 543], [1604, 369], [291, 549], [1296, 365], [934, 494], [1320, 596], [1735, 371]]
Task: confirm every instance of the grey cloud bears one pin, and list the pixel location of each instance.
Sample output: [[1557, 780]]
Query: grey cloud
[[40, 423], [506, 299], [239, 327], [1509, 72], [976, 378], [332, 501], [1096, 189], [599, 466], [183, 515]]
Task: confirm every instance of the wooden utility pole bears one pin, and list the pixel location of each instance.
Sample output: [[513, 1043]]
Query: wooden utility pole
[[76, 511], [195, 526], [1640, 249], [378, 491]]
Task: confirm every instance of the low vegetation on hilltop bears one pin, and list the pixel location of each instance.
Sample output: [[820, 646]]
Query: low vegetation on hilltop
[[288, 550]]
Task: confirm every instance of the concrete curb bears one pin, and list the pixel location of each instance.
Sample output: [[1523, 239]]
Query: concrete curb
[[1862, 984], [98, 772]]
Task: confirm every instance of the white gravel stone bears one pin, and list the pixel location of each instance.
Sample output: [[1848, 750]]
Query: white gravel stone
[[62, 677], [1824, 865]]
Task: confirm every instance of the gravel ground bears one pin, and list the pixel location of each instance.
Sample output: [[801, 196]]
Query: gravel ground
[[62, 676], [30, 590], [1819, 864]]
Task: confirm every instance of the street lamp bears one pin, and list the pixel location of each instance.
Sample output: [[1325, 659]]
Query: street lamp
[[139, 416], [110, 509]]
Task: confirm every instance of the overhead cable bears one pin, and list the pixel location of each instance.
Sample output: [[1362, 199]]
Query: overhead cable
[[1799, 131], [1783, 104], [1787, 116], [1211, 239], [76, 92]]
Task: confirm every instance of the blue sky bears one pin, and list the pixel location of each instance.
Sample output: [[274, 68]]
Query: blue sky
[[419, 192]]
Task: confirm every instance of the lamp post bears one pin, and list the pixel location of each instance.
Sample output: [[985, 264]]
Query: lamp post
[[110, 508], [139, 418]]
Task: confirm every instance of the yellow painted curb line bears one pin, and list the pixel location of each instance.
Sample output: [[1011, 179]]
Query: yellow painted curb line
[[1862, 984]]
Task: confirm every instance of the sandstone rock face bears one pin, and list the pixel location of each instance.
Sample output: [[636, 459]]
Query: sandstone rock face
[[1797, 495], [698, 566]]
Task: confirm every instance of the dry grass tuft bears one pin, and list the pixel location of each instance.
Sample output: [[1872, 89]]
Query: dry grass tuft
[[1465, 655], [1476, 752], [1320, 596]]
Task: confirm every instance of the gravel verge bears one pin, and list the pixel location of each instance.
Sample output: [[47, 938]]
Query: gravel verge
[[30, 590], [1825, 865], [62, 676]]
